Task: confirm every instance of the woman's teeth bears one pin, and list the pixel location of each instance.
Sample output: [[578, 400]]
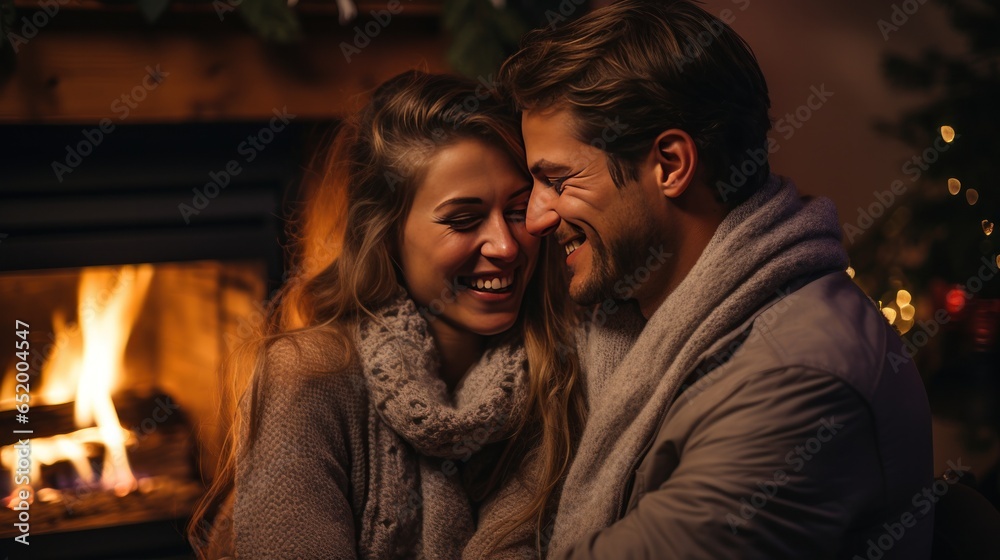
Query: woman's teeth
[[493, 284], [573, 246]]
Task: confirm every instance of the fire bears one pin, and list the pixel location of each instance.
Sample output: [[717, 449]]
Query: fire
[[87, 362]]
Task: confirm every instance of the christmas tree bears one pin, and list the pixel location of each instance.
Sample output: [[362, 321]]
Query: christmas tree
[[930, 258]]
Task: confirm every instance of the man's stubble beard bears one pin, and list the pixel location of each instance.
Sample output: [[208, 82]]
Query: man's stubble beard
[[610, 264]]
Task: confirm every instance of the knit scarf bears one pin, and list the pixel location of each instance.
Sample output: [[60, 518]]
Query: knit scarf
[[420, 435], [763, 244]]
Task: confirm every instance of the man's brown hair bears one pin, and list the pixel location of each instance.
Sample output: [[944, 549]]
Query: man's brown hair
[[631, 70]]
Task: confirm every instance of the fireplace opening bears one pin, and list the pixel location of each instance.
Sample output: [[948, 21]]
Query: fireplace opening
[[125, 405], [121, 293]]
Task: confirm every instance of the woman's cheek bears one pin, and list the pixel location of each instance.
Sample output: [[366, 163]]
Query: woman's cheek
[[529, 245]]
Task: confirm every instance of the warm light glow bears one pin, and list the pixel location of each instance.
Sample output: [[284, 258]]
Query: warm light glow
[[954, 186], [906, 312], [987, 227], [890, 314], [972, 196], [105, 333], [954, 301], [61, 371], [89, 361], [67, 447], [903, 298], [850, 271], [948, 134]]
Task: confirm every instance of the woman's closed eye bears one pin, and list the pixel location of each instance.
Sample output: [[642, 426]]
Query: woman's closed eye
[[462, 222], [517, 215], [466, 222]]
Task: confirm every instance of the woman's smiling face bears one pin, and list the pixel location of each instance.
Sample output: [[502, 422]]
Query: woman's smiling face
[[465, 254]]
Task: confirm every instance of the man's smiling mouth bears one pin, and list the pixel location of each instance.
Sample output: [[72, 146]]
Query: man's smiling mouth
[[573, 241]]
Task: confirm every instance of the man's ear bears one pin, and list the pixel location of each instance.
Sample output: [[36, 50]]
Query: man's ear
[[674, 157]]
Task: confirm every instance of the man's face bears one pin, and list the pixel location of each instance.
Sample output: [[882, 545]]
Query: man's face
[[607, 232]]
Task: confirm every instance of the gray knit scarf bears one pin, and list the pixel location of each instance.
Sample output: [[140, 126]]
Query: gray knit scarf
[[763, 244], [420, 435]]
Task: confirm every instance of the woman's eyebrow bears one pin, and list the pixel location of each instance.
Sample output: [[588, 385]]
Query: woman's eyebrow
[[519, 192], [456, 201]]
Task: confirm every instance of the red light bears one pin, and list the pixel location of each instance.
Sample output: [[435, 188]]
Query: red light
[[955, 300]]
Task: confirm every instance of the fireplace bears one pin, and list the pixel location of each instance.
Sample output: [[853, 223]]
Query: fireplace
[[119, 308]]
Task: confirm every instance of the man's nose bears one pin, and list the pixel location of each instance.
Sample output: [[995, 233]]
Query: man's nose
[[541, 218]]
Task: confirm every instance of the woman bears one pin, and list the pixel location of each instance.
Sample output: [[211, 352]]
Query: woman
[[416, 375]]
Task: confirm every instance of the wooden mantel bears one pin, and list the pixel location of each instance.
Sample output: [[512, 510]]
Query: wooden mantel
[[92, 61]]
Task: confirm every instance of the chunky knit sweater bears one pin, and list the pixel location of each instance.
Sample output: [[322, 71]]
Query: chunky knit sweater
[[369, 463]]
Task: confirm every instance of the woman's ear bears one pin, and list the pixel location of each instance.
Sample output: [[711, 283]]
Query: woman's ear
[[674, 158]]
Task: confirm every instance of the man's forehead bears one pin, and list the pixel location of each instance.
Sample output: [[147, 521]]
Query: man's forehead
[[548, 116], [553, 145]]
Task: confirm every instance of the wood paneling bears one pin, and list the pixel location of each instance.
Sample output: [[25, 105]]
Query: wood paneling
[[85, 65]]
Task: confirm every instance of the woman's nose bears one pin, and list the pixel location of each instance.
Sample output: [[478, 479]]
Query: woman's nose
[[500, 242], [542, 218]]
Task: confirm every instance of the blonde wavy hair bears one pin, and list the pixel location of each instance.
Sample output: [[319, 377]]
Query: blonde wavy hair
[[348, 230]]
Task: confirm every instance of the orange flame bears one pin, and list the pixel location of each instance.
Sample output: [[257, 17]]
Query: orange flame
[[89, 360]]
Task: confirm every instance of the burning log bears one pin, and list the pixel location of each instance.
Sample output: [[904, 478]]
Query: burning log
[[158, 498], [140, 414], [46, 421], [163, 461]]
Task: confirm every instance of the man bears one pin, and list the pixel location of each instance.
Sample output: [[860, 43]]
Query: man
[[761, 406]]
